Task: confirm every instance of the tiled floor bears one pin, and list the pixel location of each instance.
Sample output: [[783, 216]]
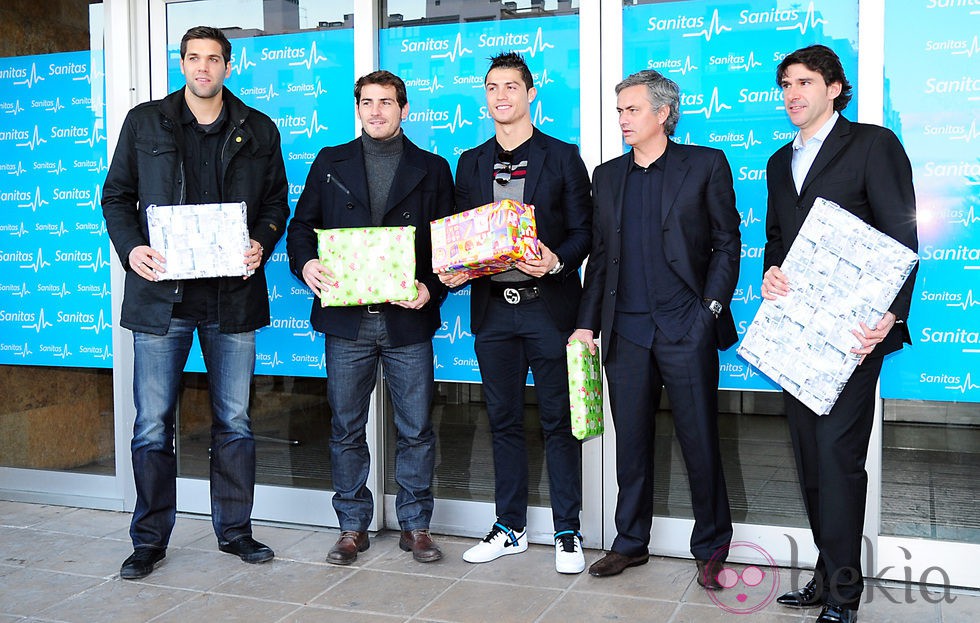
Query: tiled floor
[[62, 564]]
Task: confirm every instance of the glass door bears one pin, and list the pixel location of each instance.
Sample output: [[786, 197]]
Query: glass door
[[292, 60]]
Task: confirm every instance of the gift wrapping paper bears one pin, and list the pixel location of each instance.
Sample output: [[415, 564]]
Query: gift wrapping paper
[[584, 390], [370, 265], [486, 240], [200, 240]]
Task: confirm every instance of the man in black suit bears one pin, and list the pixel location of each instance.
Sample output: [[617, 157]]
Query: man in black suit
[[378, 179], [662, 271], [524, 316], [864, 169]]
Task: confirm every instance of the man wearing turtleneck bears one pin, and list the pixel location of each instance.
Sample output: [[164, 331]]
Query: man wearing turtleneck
[[379, 179]]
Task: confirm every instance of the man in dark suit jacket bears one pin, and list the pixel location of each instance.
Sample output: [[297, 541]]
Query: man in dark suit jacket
[[523, 317], [379, 179], [865, 170], [660, 277]]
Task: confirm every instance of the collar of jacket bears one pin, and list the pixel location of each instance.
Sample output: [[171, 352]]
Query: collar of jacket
[[171, 106]]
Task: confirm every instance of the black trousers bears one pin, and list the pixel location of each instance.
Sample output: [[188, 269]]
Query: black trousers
[[831, 451]]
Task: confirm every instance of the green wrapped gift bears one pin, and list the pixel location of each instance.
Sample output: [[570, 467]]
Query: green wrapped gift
[[584, 390], [370, 264]]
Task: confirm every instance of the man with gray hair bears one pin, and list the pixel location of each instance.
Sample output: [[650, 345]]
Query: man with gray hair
[[660, 277]]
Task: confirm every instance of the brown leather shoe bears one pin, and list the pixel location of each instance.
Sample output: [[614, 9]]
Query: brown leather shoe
[[615, 563], [345, 550], [708, 571], [419, 542]]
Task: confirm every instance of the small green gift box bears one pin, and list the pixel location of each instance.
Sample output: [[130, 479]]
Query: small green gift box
[[584, 390], [370, 265]]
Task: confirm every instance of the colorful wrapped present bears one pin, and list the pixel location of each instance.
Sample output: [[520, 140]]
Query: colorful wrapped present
[[486, 240], [584, 390], [370, 264]]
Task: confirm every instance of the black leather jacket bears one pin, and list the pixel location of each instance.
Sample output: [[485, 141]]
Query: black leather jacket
[[147, 169]]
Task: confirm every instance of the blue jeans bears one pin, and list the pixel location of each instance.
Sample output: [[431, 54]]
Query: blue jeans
[[352, 368], [158, 369]]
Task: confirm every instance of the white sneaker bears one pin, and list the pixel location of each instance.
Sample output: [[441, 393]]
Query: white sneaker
[[568, 552], [499, 542]]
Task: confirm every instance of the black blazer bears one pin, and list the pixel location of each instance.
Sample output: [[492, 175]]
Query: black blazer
[[557, 184], [422, 191], [700, 228], [864, 169]]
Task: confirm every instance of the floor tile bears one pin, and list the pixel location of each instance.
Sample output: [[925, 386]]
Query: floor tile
[[223, 609], [535, 567], [28, 591], [85, 522], [660, 578], [23, 514], [693, 613], [118, 601], [280, 580], [477, 602], [962, 608], [325, 615], [384, 592], [195, 570], [451, 565], [576, 606]]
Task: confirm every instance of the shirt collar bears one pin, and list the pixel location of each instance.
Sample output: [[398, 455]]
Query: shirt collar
[[659, 163], [821, 134]]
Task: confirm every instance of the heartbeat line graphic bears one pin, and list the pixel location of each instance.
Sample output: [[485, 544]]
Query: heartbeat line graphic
[[275, 361], [455, 123], [317, 91], [749, 218], [457, 50], [58, 170], [64, 354], [970, 134], [35, 140], [95, 138], [455, 333], [969, 218], [23, 290], [544, 78], [96, 200], [714, 28], [322, 364], [32, 79], [314, 128], [16, 109], [20, 232], [269, 94], [20, 170], [36, 202], [274, 294], [310, 334], [435, 363], [26, 352], [810, 20], [89, 77], [433, 85], [99, 168], [686, 67], [749, 64], [687, 140], [40, 325], [970, 51], [104, 353], [311, 59], [539, 117], [748, 374], [97, 263], [749, 142], [61, 231], [56, 106], [63, 292], [99, 325], [713, 106], [967, 303], [537, 45], [965, 386], [101, 231], [242, 64], [748, 296], [104, 292]]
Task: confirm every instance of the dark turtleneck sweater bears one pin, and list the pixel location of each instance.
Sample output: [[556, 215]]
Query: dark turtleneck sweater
[[381, 160]]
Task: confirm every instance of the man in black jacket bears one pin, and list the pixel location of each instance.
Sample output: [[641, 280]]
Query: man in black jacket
[[199, 145], [523, 317], [379, 179]]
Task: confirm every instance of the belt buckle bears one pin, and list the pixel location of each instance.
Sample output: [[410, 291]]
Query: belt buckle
[[512, 295], [374, 309]]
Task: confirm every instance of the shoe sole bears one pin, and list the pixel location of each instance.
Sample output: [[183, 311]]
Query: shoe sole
[[635, 563], [344, 561], [570, 571], [251, 561], [500, 554], [430, 558], [140, 576]]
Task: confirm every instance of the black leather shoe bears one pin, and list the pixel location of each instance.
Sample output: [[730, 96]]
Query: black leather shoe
[[345, 550], [248, 549], [804, 598], [708, 571], [419, 542], [140, 563], [832, 613], [615, 563]]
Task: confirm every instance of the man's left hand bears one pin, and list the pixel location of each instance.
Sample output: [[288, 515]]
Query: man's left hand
[[253, 257], [419, 300], [539, 268], [871, 337]]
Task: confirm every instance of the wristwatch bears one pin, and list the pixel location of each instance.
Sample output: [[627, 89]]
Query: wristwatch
[[714, 306], [558, 266]]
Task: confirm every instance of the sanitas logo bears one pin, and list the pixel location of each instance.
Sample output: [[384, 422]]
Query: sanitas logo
[[963, 168], [956, 336], [772, 16], [72, 256], [750, 174], [280, 54], [680, 22], [961, 253], [952, 4], [428, 116], [69, 69], [966, 84], [748, 96], [426, 45], [508, 40], [69, 132]]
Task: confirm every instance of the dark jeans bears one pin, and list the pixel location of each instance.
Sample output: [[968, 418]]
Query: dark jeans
[[512, 338], [158, 368], [352, 368]]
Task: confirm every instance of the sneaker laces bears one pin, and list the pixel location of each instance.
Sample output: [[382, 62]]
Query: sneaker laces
[[497, 529], [567, 540]]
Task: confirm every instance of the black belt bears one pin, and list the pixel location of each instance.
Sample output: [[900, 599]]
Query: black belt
[[514, 295]]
